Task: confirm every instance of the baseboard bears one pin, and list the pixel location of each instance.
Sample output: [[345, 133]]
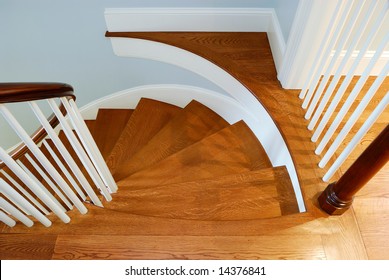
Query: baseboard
[[200, 20]]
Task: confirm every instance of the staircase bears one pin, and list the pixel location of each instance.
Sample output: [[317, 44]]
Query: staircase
[[180, 169]]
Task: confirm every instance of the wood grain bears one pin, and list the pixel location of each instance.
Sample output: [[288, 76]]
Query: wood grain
[[231, 150], [27, 246], [111, 123], [249, 195], [189, 126], [147, 119], [84, 247]]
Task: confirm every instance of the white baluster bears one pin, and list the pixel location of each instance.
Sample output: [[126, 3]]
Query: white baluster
[[19, 206], [350, 74], [64, 170], [324, 42], [89, 143], [5, 205], [19, 172], [354, 117], [15, 196], [25, 193], [7, 220], [48, 181], [339, 26], [66, 156], [80, 151], [357, 138], [350, 100], [42, 159], [341, 42]]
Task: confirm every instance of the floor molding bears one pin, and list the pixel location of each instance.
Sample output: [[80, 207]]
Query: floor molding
[[200, 19]]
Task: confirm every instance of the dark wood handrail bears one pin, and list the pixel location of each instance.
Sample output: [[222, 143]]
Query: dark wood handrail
[[338, 196], [22, 92]]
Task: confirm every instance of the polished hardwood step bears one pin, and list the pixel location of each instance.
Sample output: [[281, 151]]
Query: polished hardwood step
[[243, 196], [110, 123], [189, 126], [147, 119], [231, 150]]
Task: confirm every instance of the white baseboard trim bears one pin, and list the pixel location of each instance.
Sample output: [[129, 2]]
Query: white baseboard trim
[[200, 20]]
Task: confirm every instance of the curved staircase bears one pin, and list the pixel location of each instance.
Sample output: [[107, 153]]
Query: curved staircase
[[179, 170]]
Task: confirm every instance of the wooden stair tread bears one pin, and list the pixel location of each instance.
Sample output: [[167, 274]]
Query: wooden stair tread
[[192, 124], [105, 221], [231, 150], [147, 119], [110, 123], [243, 196]]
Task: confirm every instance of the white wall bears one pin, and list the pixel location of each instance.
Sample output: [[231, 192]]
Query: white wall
[[63, 41]]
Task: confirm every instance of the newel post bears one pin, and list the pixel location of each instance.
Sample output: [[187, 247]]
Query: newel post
[[338, 196]]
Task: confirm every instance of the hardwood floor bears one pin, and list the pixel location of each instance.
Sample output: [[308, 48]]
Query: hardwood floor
[[360, 233]]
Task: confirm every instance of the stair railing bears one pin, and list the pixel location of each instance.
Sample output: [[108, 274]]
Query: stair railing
[[354, 26], [338, 196], [58, 190]]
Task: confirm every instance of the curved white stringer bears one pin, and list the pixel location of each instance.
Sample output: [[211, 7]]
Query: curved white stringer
[[227, 107]]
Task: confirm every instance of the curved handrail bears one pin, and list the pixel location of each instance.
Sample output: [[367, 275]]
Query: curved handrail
[[22, 92]]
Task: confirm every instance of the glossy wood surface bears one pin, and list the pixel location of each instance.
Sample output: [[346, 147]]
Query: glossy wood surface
[[190, 125], [139, 129], [22, 92]]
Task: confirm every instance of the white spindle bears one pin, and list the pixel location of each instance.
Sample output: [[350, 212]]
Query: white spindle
[[5, 205], [80, 151], [338, 28], [357, 138], [90, 145], [48, 181], [42, 159], [356, 114], [25, 193], [66, 156], [341, 42], [7, 220], [64, 170], [349, 76], [15, 196], [19, 172], [350, 100], [19, 206], [319, 53], [41, 186]]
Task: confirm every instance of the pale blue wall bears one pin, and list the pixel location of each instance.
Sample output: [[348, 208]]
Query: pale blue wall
[[52, 40], [285, 10]]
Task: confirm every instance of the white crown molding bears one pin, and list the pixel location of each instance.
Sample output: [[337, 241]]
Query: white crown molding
[[201, 20]]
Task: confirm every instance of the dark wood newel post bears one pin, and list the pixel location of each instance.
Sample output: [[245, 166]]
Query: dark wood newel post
[[338, 196]]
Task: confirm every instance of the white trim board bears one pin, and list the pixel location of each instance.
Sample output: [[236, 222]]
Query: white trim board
[[200, 20]]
